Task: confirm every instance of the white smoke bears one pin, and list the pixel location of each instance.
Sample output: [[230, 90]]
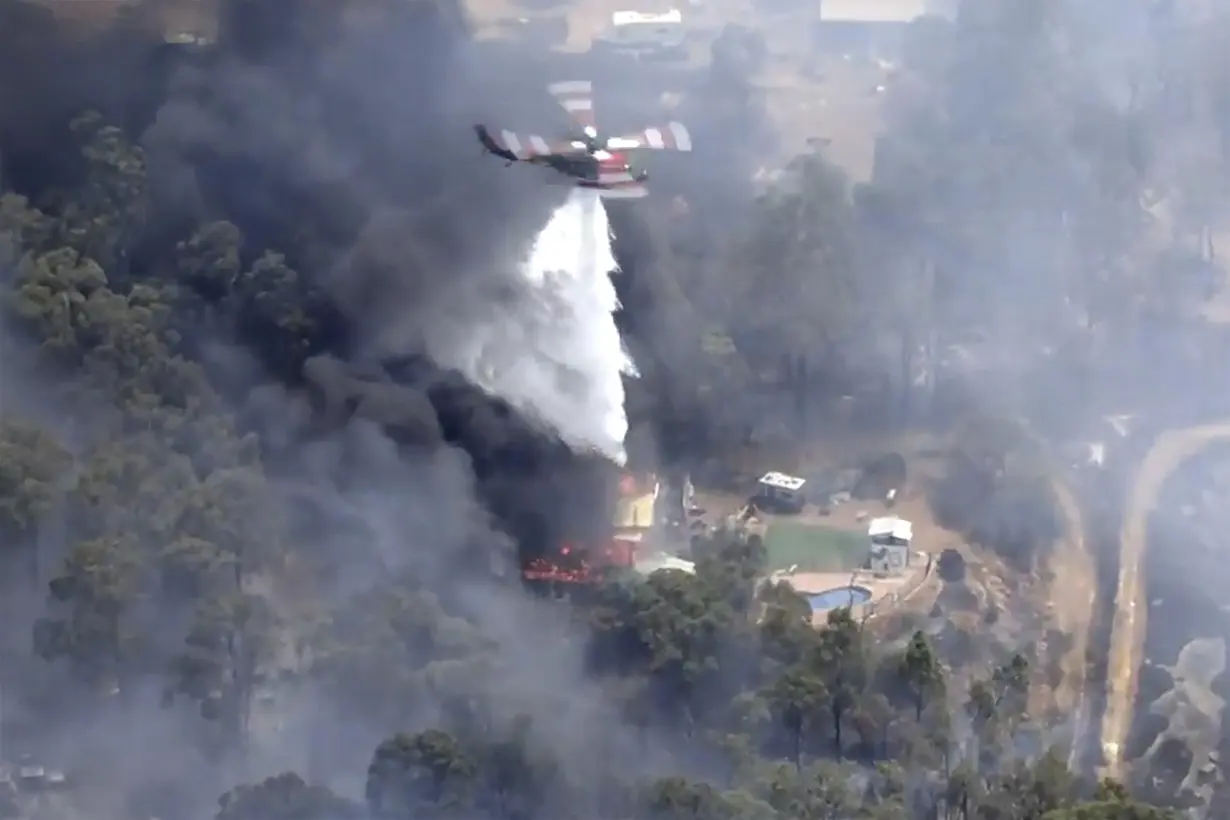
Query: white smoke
[[553, 350]]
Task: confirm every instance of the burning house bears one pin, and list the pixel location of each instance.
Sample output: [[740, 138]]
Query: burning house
[[576, 563], [635, 509]]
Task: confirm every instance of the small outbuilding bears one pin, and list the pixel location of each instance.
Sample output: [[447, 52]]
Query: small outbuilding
[[782, 491], [872, 27], [890, 537], [639, 32]]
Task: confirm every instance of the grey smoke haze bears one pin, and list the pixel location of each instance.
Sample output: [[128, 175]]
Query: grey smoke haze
[[391, 209], [443, 240]]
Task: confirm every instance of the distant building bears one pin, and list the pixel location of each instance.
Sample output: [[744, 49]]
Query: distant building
[[636, 512], [781, 491], [647, 34], [872, 27], [629, 539], [890, 544]]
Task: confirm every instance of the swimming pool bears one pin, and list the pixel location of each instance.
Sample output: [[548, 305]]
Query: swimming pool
[[838, 597]]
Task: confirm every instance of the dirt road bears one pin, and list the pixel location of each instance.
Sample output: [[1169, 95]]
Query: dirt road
[[1128, 631]]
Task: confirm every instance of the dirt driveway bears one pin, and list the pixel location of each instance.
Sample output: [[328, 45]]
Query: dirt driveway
[[1128, 631]]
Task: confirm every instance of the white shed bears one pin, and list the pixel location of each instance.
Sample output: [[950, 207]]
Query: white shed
[[890, 544], [783, 490], [873, 27]]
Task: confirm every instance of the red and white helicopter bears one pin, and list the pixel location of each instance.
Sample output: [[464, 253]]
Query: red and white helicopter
[[590, 160]]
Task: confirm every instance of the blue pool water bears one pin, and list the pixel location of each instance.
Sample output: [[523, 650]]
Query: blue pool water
[[839, 597]]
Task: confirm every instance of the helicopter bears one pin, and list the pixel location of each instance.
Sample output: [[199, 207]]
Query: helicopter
[[587, 158]]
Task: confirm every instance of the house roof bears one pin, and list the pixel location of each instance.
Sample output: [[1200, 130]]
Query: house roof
[[781, 481], [891, 525], [875, 11]]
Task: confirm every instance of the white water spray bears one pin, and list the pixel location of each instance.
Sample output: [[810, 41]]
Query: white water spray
[[556, 353]]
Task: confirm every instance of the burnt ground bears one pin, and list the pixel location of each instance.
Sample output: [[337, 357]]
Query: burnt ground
[[1101, 501]]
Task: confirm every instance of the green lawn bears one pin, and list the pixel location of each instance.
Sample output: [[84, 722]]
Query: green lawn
[[814, 548]]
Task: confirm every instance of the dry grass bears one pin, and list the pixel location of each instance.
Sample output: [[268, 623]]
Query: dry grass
[[1071, 593]]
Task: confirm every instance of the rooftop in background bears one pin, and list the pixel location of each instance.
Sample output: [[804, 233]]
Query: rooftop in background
[[882, 11]]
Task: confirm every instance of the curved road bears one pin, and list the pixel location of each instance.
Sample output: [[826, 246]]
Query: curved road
[[1128, 631]]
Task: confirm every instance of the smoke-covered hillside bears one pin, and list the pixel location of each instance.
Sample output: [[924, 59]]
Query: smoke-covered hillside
[[285, 405], [258, 245]]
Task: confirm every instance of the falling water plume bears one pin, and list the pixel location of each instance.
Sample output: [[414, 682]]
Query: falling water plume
[[556, 353]]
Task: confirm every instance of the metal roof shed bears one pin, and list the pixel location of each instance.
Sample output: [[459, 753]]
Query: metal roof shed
[[891, 527], [873, 11], [781, 481]]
